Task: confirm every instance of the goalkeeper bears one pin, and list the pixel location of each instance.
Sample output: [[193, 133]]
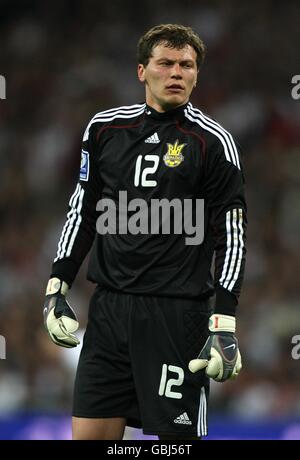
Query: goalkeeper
[[154, 339]]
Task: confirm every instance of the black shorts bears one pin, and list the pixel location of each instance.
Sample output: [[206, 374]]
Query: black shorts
[[134, 363]]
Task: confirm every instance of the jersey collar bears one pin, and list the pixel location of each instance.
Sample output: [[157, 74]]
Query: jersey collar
[[173, 114]]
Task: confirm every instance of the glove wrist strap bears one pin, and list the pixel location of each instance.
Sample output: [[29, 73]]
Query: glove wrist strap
[[222, 323], [56, 285]]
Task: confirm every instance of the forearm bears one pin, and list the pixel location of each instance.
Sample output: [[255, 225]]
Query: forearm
[[230, 247]]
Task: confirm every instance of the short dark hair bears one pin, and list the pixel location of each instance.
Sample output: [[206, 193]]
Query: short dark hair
[[175, 36]]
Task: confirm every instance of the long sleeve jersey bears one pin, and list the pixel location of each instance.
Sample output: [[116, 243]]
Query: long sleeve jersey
[[133, 157]]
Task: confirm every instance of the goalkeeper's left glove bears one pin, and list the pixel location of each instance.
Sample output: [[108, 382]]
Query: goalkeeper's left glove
[[220, 356]]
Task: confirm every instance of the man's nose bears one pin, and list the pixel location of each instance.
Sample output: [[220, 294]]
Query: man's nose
[[176, 71]]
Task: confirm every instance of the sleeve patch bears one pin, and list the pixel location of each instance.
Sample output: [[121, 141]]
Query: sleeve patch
[[84, 166]]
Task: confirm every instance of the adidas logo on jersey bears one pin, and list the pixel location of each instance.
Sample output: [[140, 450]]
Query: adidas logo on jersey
[[154, 139], [183, 419]]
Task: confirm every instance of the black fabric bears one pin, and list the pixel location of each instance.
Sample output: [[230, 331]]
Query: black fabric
[[129, 342], [159, 264]]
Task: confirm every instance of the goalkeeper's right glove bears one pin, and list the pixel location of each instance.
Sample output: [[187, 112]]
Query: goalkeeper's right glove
[[59, 318]]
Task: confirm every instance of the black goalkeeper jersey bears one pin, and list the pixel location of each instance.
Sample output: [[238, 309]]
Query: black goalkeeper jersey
[[140, 156]]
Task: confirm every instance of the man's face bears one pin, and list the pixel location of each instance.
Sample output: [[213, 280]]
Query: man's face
[[170, 76]]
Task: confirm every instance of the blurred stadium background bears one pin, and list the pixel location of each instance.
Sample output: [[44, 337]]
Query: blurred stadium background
[[65, 61]]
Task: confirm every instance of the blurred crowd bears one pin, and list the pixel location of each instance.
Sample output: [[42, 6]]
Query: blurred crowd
[[65, 61]]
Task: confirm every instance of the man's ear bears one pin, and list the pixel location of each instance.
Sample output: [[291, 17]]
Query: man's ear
[[141, 72]]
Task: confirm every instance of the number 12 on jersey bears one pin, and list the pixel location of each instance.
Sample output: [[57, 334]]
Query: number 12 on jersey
[[140, 175]]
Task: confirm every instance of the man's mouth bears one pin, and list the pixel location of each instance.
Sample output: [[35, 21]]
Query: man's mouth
[[175, 88]]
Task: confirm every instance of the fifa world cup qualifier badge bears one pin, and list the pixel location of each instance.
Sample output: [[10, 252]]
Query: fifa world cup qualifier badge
[[84, 166], [174, 156]]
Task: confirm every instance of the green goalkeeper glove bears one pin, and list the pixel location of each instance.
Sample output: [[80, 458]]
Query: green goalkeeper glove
[[59, 318], [220, 356]]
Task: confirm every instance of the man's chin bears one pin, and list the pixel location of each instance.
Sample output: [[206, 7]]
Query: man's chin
[[174, 101]]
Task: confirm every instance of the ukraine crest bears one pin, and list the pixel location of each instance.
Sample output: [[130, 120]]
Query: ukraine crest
[[174, 156]]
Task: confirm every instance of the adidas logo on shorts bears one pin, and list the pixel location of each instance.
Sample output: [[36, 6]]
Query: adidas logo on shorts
[[183, 419]]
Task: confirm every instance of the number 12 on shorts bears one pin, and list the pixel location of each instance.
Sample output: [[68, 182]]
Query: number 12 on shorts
[[165, 386]]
